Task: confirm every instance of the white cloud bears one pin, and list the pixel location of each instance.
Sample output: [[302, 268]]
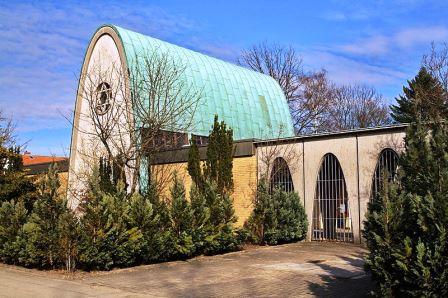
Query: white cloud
[[376, 45], [42, 48], [347, 71], [403, 39], [421, 35], [334, 16], [349, 10], [216, 49]]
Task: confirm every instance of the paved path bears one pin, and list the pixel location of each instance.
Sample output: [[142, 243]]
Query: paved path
[[299, 269]]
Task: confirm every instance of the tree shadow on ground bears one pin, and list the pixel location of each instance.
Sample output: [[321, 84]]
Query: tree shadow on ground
[[341, 282]]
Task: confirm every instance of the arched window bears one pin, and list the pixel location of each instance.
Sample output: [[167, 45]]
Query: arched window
[[386, 167], [331, 213], [281, 176]]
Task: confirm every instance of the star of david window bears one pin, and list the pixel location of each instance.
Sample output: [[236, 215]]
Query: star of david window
[[103, 97]]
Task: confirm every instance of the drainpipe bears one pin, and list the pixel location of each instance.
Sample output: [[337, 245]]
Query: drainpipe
[[303, 174], [359, 196]]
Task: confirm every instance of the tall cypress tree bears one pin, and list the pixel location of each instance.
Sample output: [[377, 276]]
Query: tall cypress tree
[[219, 163], [194, 165], [424, 98]]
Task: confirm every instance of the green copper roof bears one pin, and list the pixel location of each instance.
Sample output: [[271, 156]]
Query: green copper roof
[[252, 104]]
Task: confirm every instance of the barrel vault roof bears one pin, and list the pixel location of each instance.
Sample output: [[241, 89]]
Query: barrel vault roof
[[252, 104]]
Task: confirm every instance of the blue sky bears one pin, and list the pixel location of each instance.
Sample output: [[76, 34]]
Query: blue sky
[[378, 43]]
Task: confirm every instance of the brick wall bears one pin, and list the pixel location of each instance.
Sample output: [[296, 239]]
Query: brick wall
[[244, 178]]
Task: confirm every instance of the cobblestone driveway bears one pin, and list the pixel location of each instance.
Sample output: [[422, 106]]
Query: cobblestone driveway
[[300, 269]]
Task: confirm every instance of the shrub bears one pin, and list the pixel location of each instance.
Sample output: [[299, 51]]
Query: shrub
[[115, 228], [200, 220], [107, 238], [14, 184], [221, 235], [181, 221], [68, 227], [278, 217], [41, 229], [44, 237], [143, 215], [13, 215]]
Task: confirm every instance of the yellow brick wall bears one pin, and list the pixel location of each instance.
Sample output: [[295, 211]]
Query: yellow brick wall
[[63, 180], [245, 182], [244, 179]]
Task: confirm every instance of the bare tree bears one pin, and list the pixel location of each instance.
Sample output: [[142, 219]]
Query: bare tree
[[436, 62], [7, 129], [132, 114], [317, 104], [307, 94], [356, 106], [310, 111], [310, 95], [281, 63]]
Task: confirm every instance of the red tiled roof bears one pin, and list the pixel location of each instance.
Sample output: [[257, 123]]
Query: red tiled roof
[[29, 159]]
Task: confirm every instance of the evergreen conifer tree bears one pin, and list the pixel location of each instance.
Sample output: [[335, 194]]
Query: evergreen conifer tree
[[182, 220], [424, 98], [107, 238], [14, 184], [145, 216], [68, 229], [262, 220], [194, 165], [13, 215], [42, 230], [201, 219], [219, 162], [221, 234], [290, 216], [277, 217], [159, 233], [407, 224]]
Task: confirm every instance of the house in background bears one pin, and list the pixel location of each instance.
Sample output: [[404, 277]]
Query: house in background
[[39, 164]]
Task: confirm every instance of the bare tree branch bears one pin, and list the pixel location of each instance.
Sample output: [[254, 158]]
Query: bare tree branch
[[137, 112], [316, 104], [356, 106], [436, 62], [7, 129]]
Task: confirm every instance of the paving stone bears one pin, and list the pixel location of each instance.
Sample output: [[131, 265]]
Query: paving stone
[[292, 270]]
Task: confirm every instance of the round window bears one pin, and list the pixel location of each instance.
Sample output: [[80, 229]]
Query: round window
[[103, 96]]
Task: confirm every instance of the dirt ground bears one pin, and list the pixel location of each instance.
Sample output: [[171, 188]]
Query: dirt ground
[[297, 270]]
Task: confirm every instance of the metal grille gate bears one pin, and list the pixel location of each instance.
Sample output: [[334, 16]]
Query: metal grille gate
[[331, 215], [281, 176], [387, 165]]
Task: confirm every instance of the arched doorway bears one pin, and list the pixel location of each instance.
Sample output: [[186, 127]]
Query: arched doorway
[[331, 213], [281, 176], [386, 167]]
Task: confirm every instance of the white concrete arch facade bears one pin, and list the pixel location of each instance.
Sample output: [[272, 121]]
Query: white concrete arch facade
[[357, 152], [104, 61]]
